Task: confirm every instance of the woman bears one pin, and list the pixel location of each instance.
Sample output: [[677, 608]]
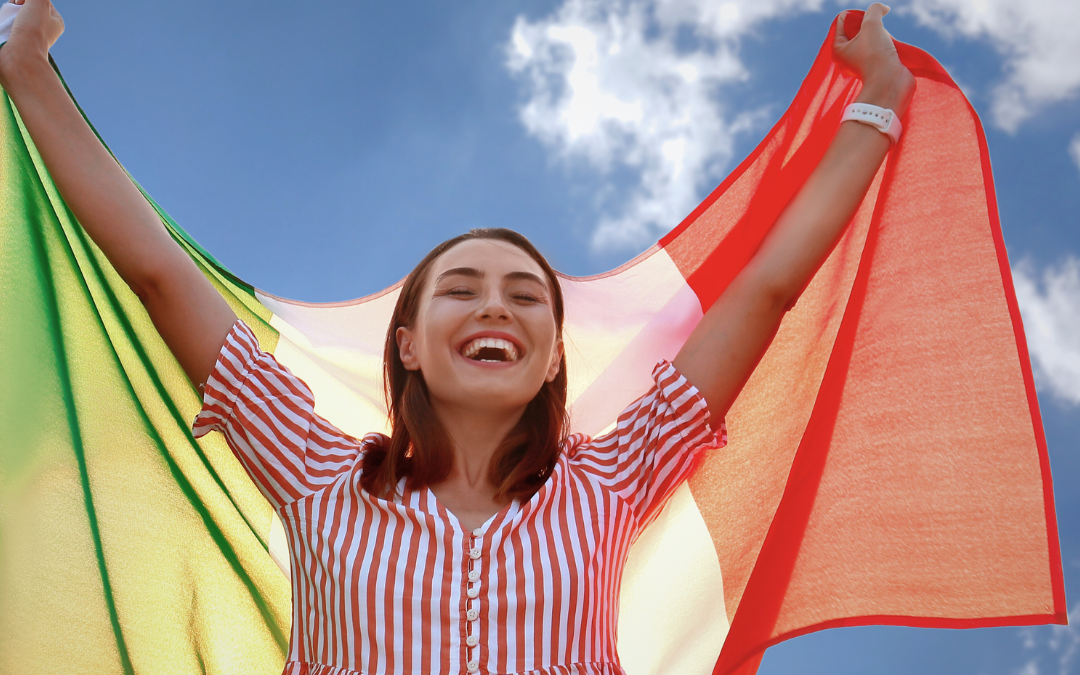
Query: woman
[[476, 539]]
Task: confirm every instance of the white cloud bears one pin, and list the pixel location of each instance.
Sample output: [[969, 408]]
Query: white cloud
[[634, 84], [1060, 644], [1051, 311], [1036, 38], [1074, 150]]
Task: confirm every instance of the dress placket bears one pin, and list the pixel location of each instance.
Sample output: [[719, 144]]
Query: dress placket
[[472, 612]]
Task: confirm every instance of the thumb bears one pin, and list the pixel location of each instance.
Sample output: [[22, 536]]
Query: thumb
[[36, 26], [31, 6], [34, 6], [876, 12]]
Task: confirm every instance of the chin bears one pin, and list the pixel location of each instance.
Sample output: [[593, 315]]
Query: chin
[[491, 399], [492, 395], [485, 388]]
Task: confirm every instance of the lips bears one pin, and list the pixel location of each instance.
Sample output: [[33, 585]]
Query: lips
[[491, 348]]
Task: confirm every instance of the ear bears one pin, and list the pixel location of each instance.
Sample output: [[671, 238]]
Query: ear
[[556, 361], [406, 348]]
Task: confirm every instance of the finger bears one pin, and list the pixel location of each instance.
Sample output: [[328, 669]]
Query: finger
[[841, 36], [876, 11], [36, 6]]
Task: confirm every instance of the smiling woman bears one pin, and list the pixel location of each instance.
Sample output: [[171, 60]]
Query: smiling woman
[[495, 541], [496, 421], [479, 535]]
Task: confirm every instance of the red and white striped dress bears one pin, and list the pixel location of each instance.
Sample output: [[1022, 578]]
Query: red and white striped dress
[[395, 587]]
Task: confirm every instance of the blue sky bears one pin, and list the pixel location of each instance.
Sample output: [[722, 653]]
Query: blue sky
[[320, 150]]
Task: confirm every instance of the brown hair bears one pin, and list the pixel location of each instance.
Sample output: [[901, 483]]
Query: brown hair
[[419, 448]]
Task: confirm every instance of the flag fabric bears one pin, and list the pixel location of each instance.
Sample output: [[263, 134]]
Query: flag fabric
[[887, 462]]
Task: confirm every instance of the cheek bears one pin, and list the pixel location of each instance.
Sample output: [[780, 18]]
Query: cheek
[[436, 328], [548, 344]]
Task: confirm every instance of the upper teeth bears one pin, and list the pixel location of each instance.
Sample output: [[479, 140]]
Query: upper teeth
[[474, 347]]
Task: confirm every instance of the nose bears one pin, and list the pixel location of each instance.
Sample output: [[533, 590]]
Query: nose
[[493, 307]]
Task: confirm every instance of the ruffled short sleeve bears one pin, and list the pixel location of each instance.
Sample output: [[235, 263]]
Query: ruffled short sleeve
[[268, 418], [655, 444]]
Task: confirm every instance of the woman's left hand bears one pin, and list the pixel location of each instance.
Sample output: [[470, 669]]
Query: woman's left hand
[[726, 346], [872, 56]]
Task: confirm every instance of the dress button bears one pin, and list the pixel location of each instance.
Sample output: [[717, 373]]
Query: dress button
[[471, 641], [474, 666], [477, 532], [474, 575], [474, 553], [474, 591], [472, 615]]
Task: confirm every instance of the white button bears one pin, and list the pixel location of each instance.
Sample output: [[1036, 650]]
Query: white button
[[477, 532], [472, 615], [471, 640], [474, 554], [474, 575], [474, 666], [474, 591]]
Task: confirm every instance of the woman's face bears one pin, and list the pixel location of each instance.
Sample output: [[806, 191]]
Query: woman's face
[[484, 335]]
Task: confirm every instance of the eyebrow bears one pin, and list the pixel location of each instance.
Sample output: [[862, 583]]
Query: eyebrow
[[479, 274]]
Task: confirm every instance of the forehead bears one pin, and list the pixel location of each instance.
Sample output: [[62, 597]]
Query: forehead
[[493, 257]]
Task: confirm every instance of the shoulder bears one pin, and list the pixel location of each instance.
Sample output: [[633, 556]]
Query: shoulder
[[671, 413], [573, 445], [371, 453], [374, 442]]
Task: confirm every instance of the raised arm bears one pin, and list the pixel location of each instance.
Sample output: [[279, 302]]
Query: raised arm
[[187, 311], [730, 340]]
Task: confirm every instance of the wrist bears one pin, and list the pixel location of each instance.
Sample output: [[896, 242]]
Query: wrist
[[17, 68], [890, 88]]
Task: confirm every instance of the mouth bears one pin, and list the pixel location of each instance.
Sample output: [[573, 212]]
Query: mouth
[[490, 350]]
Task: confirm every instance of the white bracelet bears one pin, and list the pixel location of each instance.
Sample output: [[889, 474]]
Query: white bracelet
[[882, 119]]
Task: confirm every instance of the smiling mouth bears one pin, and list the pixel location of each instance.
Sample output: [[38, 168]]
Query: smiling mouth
[[490, 350]]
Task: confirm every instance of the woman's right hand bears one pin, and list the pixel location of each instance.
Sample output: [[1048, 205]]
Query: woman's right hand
[[188, 312], [37, 27]]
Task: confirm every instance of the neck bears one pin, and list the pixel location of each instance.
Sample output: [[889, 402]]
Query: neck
[[475, 435]]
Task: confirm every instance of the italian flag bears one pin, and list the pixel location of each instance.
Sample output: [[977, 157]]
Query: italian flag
[[887, 463]]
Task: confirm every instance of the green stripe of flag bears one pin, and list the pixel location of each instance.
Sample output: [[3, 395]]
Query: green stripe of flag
[[125, 545]]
